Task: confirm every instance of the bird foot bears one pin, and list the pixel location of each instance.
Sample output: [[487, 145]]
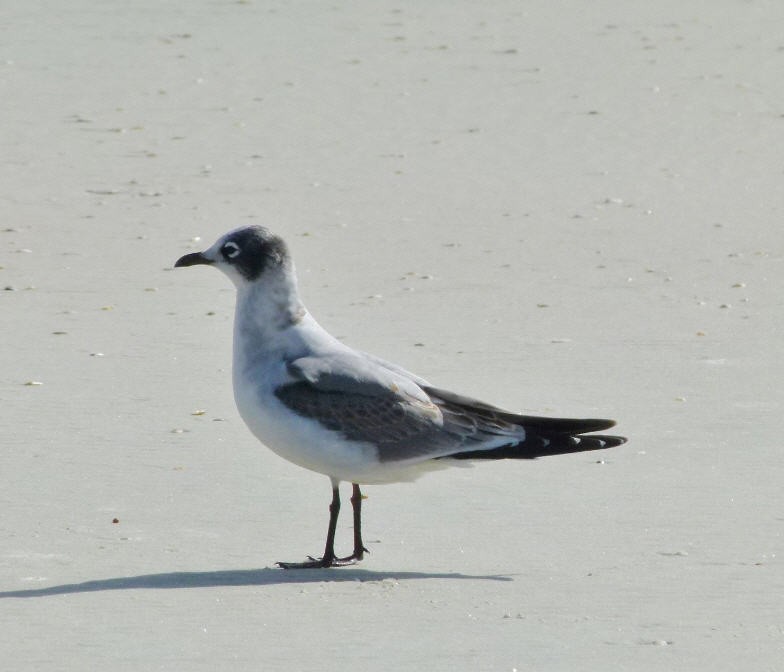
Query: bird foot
[[356, 556], [321, 563]]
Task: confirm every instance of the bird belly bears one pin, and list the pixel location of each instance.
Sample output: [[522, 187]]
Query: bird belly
[[298, 439], [308, 444]]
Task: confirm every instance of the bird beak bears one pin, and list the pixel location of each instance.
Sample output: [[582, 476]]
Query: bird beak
[[192, 259]]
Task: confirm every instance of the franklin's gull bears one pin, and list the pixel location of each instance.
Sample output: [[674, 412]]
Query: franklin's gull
[[347, 414]]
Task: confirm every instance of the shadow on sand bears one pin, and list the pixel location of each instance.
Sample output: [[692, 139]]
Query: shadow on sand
[[236, 577]]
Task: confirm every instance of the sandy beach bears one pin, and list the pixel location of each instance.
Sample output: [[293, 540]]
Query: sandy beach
[[560, 209]]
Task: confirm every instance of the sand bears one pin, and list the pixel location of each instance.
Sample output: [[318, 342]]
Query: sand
[[561, 209]]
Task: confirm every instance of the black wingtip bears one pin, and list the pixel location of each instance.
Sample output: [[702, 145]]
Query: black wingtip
[[600, 441], [544, 445], [566, 425]]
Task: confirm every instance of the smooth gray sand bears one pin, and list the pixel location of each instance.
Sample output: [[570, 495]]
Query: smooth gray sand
[[592, 193]]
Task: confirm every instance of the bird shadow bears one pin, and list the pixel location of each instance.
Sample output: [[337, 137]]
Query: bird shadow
[[266, 576]]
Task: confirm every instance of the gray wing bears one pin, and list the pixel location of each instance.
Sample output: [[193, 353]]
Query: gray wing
[[364, 401], [355, 373], [391, 366]]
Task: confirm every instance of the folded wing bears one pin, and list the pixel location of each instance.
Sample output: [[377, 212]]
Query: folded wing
[[407, 421]]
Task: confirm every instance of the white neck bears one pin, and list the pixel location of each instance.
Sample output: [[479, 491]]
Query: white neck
[[272, 324]]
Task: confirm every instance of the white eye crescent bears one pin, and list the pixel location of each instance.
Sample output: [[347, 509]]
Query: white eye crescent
[[230, 250]]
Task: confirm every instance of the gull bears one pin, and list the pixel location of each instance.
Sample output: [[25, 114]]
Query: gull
[[348, 414]]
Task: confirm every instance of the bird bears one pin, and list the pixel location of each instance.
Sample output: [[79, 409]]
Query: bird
[[348, 414]]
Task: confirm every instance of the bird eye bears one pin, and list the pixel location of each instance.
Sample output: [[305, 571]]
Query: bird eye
[[230, 250]]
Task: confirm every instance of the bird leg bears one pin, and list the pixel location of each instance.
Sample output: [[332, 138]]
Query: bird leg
[[356, 505], [329, 559]]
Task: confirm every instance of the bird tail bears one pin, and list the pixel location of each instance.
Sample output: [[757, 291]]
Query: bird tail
[[543, 436], [550, 436]]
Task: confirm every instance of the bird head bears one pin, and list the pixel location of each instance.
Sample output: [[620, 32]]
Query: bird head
[[244, 255]]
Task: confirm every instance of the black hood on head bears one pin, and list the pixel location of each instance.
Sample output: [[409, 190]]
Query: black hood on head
[[252, 250]]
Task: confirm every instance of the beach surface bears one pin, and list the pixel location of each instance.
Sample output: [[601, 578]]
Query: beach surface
[[561, 209]]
